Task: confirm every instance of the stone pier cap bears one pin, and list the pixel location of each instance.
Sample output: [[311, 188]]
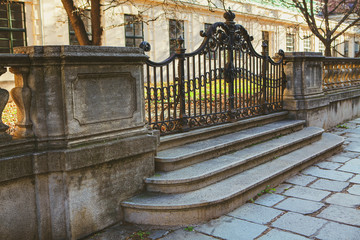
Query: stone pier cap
[[81, 94]]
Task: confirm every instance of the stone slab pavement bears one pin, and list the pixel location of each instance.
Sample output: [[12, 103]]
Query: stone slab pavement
[[322, 202]]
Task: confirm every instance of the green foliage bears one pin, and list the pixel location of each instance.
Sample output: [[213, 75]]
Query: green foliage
[[140, 235], [266, 190], [342, 126], [189, 228]]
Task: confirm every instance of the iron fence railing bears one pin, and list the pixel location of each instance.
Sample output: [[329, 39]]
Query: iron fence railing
[[225, 79]]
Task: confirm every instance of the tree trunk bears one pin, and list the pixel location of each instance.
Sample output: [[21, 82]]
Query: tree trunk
[[96, 28], [327, 49], [76, 22]]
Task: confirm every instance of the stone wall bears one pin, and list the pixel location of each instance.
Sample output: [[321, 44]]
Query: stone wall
[[81, 145], [306, 97]]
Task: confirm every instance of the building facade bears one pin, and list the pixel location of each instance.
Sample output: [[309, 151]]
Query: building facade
[[40, 22]]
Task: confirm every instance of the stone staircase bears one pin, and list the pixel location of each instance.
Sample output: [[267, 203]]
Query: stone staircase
[[208, 172]]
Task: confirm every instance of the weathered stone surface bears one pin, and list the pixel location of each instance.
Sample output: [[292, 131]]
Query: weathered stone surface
[[232, 229], [352, 166], [269, 199], [343, 199], [255, 213], [336, 231], [182, 234], [299, 205], [91, 107], [276, 234], [298, 223], [328, 165], [307, 193], [355, 179], [329, 185], [354, 189], [104, 87], [353, 147], [329, 174], [301, 180], [339, 158], [341, 214], [283, 187], [18, 210], [94, 194]]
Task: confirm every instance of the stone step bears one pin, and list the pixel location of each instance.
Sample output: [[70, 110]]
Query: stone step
[[224, 196], [179, 139], [205, 173], [189, 154]]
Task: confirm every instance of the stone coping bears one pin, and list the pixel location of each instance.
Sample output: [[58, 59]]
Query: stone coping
[[30, 163]]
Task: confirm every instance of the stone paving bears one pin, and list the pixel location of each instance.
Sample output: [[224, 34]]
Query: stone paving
[[321, 202]]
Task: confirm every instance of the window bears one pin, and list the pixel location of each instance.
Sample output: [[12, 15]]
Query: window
[[307, 44], [321, 47], [12, 26], [134, 33], [176, 29], [356, 48], [290, 42], [266, 37], [346, 48], [87, 22]]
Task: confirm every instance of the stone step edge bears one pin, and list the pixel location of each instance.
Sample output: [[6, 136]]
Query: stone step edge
[[211, 130], [318, 132], [229, 197], [296, 123]]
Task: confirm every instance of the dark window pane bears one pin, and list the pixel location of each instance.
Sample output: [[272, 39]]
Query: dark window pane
[[138, 41], [4, 44], [4, 23], [133, 31], [10, 38], [73, 40], [3, 14], [138, 29], [129, 30], [5, 35], [129, 42]]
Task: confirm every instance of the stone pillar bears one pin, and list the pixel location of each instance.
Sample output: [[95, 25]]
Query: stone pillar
[[81, 114], [304, 97], [21, 94]]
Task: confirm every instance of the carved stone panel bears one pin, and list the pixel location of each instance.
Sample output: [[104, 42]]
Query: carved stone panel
[[103, 97]]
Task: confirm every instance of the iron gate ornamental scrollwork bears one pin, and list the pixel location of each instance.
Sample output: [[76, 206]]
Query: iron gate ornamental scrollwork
[[224, 80]]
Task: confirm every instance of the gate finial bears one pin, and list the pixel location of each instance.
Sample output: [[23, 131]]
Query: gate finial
[[229, 15]]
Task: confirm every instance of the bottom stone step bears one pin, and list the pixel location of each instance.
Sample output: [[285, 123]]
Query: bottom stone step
[[224, 196]]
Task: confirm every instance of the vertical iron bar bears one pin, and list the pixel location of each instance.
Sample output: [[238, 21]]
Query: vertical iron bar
[[264, 76], [181, 71], [155, 97], [148, 93], [168, 93]]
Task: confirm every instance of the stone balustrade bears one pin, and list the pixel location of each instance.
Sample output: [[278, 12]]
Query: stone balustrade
[[19, 65], [340, 72]]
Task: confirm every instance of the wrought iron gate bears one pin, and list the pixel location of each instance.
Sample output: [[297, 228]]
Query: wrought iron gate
[[225, 79]]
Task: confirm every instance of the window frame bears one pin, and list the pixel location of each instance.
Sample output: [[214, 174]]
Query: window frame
[[307, 44], [290, 36], [10, 29], [346, 48], [134, 36], [356, 48], [177, 35]]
